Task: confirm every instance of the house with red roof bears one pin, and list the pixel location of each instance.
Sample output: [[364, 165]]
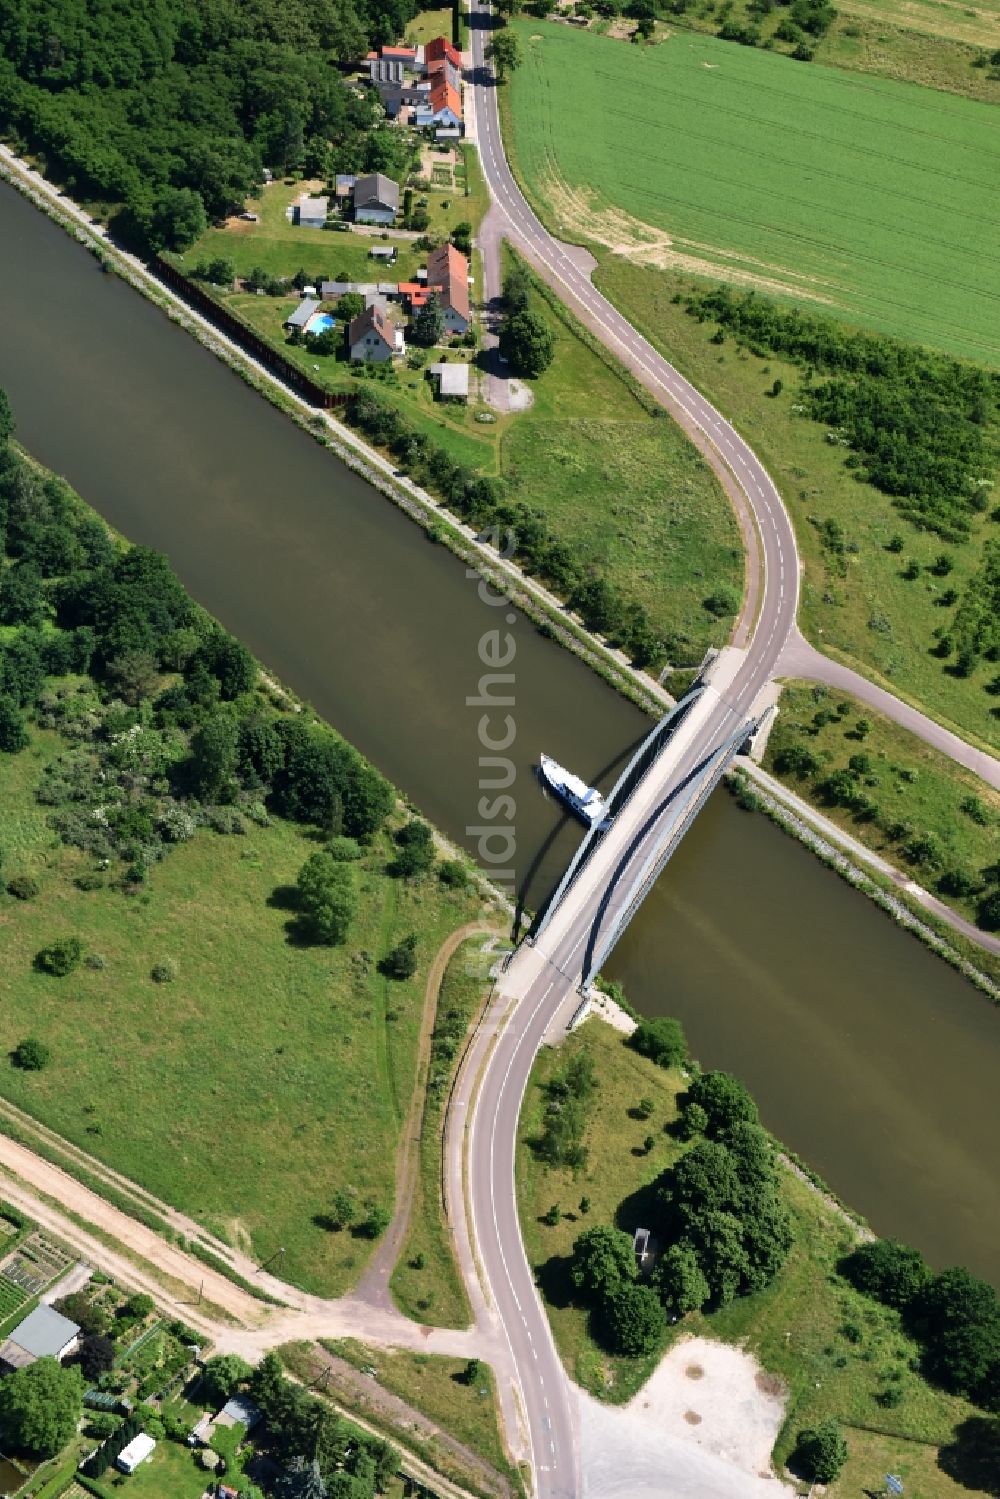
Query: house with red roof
[[448, 275]]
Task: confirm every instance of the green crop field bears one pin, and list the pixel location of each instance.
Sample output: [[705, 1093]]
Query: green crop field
[[860, 196]]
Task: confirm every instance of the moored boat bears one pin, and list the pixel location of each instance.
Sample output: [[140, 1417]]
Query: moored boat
[[585, 801]]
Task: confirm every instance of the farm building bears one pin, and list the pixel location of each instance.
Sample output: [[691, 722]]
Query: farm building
[[448, 273], [311, 213], [138, 1450], [376, 199], [44, 1333], [373, 339], [452, 381]]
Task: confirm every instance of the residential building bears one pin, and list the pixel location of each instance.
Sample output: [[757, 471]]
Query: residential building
[[44, 1333], [384, 253], [344, 184], [446, 70], [302, 313], [373, 339], [448, 274], [138, 1450], [443, 106], [376, 199], [441, 50], [311, 213]]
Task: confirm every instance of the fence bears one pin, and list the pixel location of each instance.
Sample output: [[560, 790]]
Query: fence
[[248, 338]]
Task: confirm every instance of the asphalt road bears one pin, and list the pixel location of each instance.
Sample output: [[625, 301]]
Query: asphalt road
[[544, 979]]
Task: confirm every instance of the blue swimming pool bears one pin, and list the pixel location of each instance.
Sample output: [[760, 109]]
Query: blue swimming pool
[[320, 322]]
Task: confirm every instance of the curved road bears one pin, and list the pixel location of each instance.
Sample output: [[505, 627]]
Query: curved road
[[540, 985]]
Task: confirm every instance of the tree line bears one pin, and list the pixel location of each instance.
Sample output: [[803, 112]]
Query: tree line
[[918, 424], [485, 502], [164, 725], [172, 109]]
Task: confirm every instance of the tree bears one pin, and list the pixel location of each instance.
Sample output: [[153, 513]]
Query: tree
[[222, 1377], [517, 288], [633, 1319], [401, 961], [473, 1372], [725, 1100], [682, 1284], [327, 898], [988, 912], [644, 1108], [662, 1040], [504, 51], [603, 1260], [137, 1307], [30, 1055], [428, 324], [96, 1356], [693, 1121], [349, 306], [177, 218], [891, 1272], [78, 1307], [214, 758], [820, 1452], [959, 1317], [342, 1208], [267, 1382], [301, 1480], [6, 420], [415, 842], [375, 1222], [40, 1407], [13, 733], [527, 343]]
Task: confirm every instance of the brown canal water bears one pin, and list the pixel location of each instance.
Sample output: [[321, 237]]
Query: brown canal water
[[870, 1057]]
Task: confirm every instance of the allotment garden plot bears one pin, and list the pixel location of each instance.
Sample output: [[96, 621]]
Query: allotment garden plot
[[860, 196]]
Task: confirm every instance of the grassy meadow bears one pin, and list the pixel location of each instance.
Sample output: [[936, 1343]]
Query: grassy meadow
[[426, 1281], [860, 606], [835, 1351], [866, 198], [263, 1078], [909, 784]]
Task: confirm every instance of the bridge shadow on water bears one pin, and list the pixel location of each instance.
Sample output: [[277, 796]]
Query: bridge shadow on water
[[565, 819], [626, 858]]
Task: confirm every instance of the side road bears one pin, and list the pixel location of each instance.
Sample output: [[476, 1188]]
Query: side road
[[800, 659]]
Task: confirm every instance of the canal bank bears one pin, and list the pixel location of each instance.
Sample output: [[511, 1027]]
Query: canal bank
[[872, 1060]]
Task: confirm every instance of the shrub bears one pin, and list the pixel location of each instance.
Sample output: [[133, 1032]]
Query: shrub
[[22, 887], [163, 973], [820, 1452], [401, 961], [662, 1040], [60, 957], [31, 1055]]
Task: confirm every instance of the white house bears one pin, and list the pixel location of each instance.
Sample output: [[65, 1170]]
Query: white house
[[373, 339], [138, 1450]]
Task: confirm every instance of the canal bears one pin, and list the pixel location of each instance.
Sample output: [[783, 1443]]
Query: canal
[[870, 1057]]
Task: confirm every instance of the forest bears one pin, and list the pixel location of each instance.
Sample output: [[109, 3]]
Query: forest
[[169, 112]]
